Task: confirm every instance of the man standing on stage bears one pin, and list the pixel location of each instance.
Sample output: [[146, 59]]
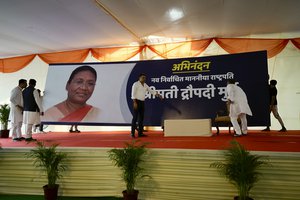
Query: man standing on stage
[[138, 93], [32, 108], [238, 107], [16, 110], [273, 105]]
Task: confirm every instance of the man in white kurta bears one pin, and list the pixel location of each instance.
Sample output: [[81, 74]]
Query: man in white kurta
[[239, 107], [16, 110], [32, 108]]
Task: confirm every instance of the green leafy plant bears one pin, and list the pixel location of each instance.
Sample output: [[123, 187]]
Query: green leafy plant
[[4, 114], [129, 160], [49, 160], [241, 167]]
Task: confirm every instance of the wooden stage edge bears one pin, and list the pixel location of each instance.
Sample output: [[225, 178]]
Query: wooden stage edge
[[255, 140]]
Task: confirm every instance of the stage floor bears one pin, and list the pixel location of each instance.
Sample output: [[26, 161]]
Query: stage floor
[[255, 140]]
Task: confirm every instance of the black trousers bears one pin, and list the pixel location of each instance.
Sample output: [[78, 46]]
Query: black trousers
[[138, 116], [41, 127]]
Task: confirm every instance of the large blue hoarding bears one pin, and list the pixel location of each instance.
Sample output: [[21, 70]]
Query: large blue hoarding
[[193, 88]]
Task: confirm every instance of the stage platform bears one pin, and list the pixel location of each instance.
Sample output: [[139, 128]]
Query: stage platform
[[255, 140], [178, 167]]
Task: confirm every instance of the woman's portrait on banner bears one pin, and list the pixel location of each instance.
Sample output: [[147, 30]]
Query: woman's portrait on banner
[[80, 87]]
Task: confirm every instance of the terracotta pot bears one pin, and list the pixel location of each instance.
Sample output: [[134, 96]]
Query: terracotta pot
[[4, 133], [237, 198], [50, 193], [131, 196]]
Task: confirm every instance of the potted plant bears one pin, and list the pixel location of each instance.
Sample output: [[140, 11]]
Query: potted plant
[[129, 160], [53, 163], [241, 168], [4, 114]]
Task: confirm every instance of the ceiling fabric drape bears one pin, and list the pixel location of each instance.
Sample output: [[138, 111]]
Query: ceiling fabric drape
[[240, 45], [180, 49], [167, 51], [10, 65], [296, 42], [76, 56], [116, 53]]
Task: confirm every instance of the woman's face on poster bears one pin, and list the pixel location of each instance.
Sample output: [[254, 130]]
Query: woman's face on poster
[[81, 87]]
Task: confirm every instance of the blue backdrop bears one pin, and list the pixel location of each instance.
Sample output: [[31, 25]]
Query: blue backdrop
[[193, 88], [196, 87]]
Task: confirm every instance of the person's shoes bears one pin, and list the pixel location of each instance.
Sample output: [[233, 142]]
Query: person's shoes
[[137, 129], [282, 130], [30, 139], [71, 131], [22, 138], [132, 135], [266, 129], [77, 131], [16, 139], [244, 134], [43, 132], [142, 135], [236, 135]]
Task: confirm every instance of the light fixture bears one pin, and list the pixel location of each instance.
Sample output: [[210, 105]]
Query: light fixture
[[175, 14]]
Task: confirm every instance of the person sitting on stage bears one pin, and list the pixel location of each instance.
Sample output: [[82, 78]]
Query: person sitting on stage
[[80, 87]]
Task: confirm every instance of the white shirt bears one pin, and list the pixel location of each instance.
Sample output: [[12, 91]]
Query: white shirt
[[139, 91], [38, 100], [16, 99], [239, 99]]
